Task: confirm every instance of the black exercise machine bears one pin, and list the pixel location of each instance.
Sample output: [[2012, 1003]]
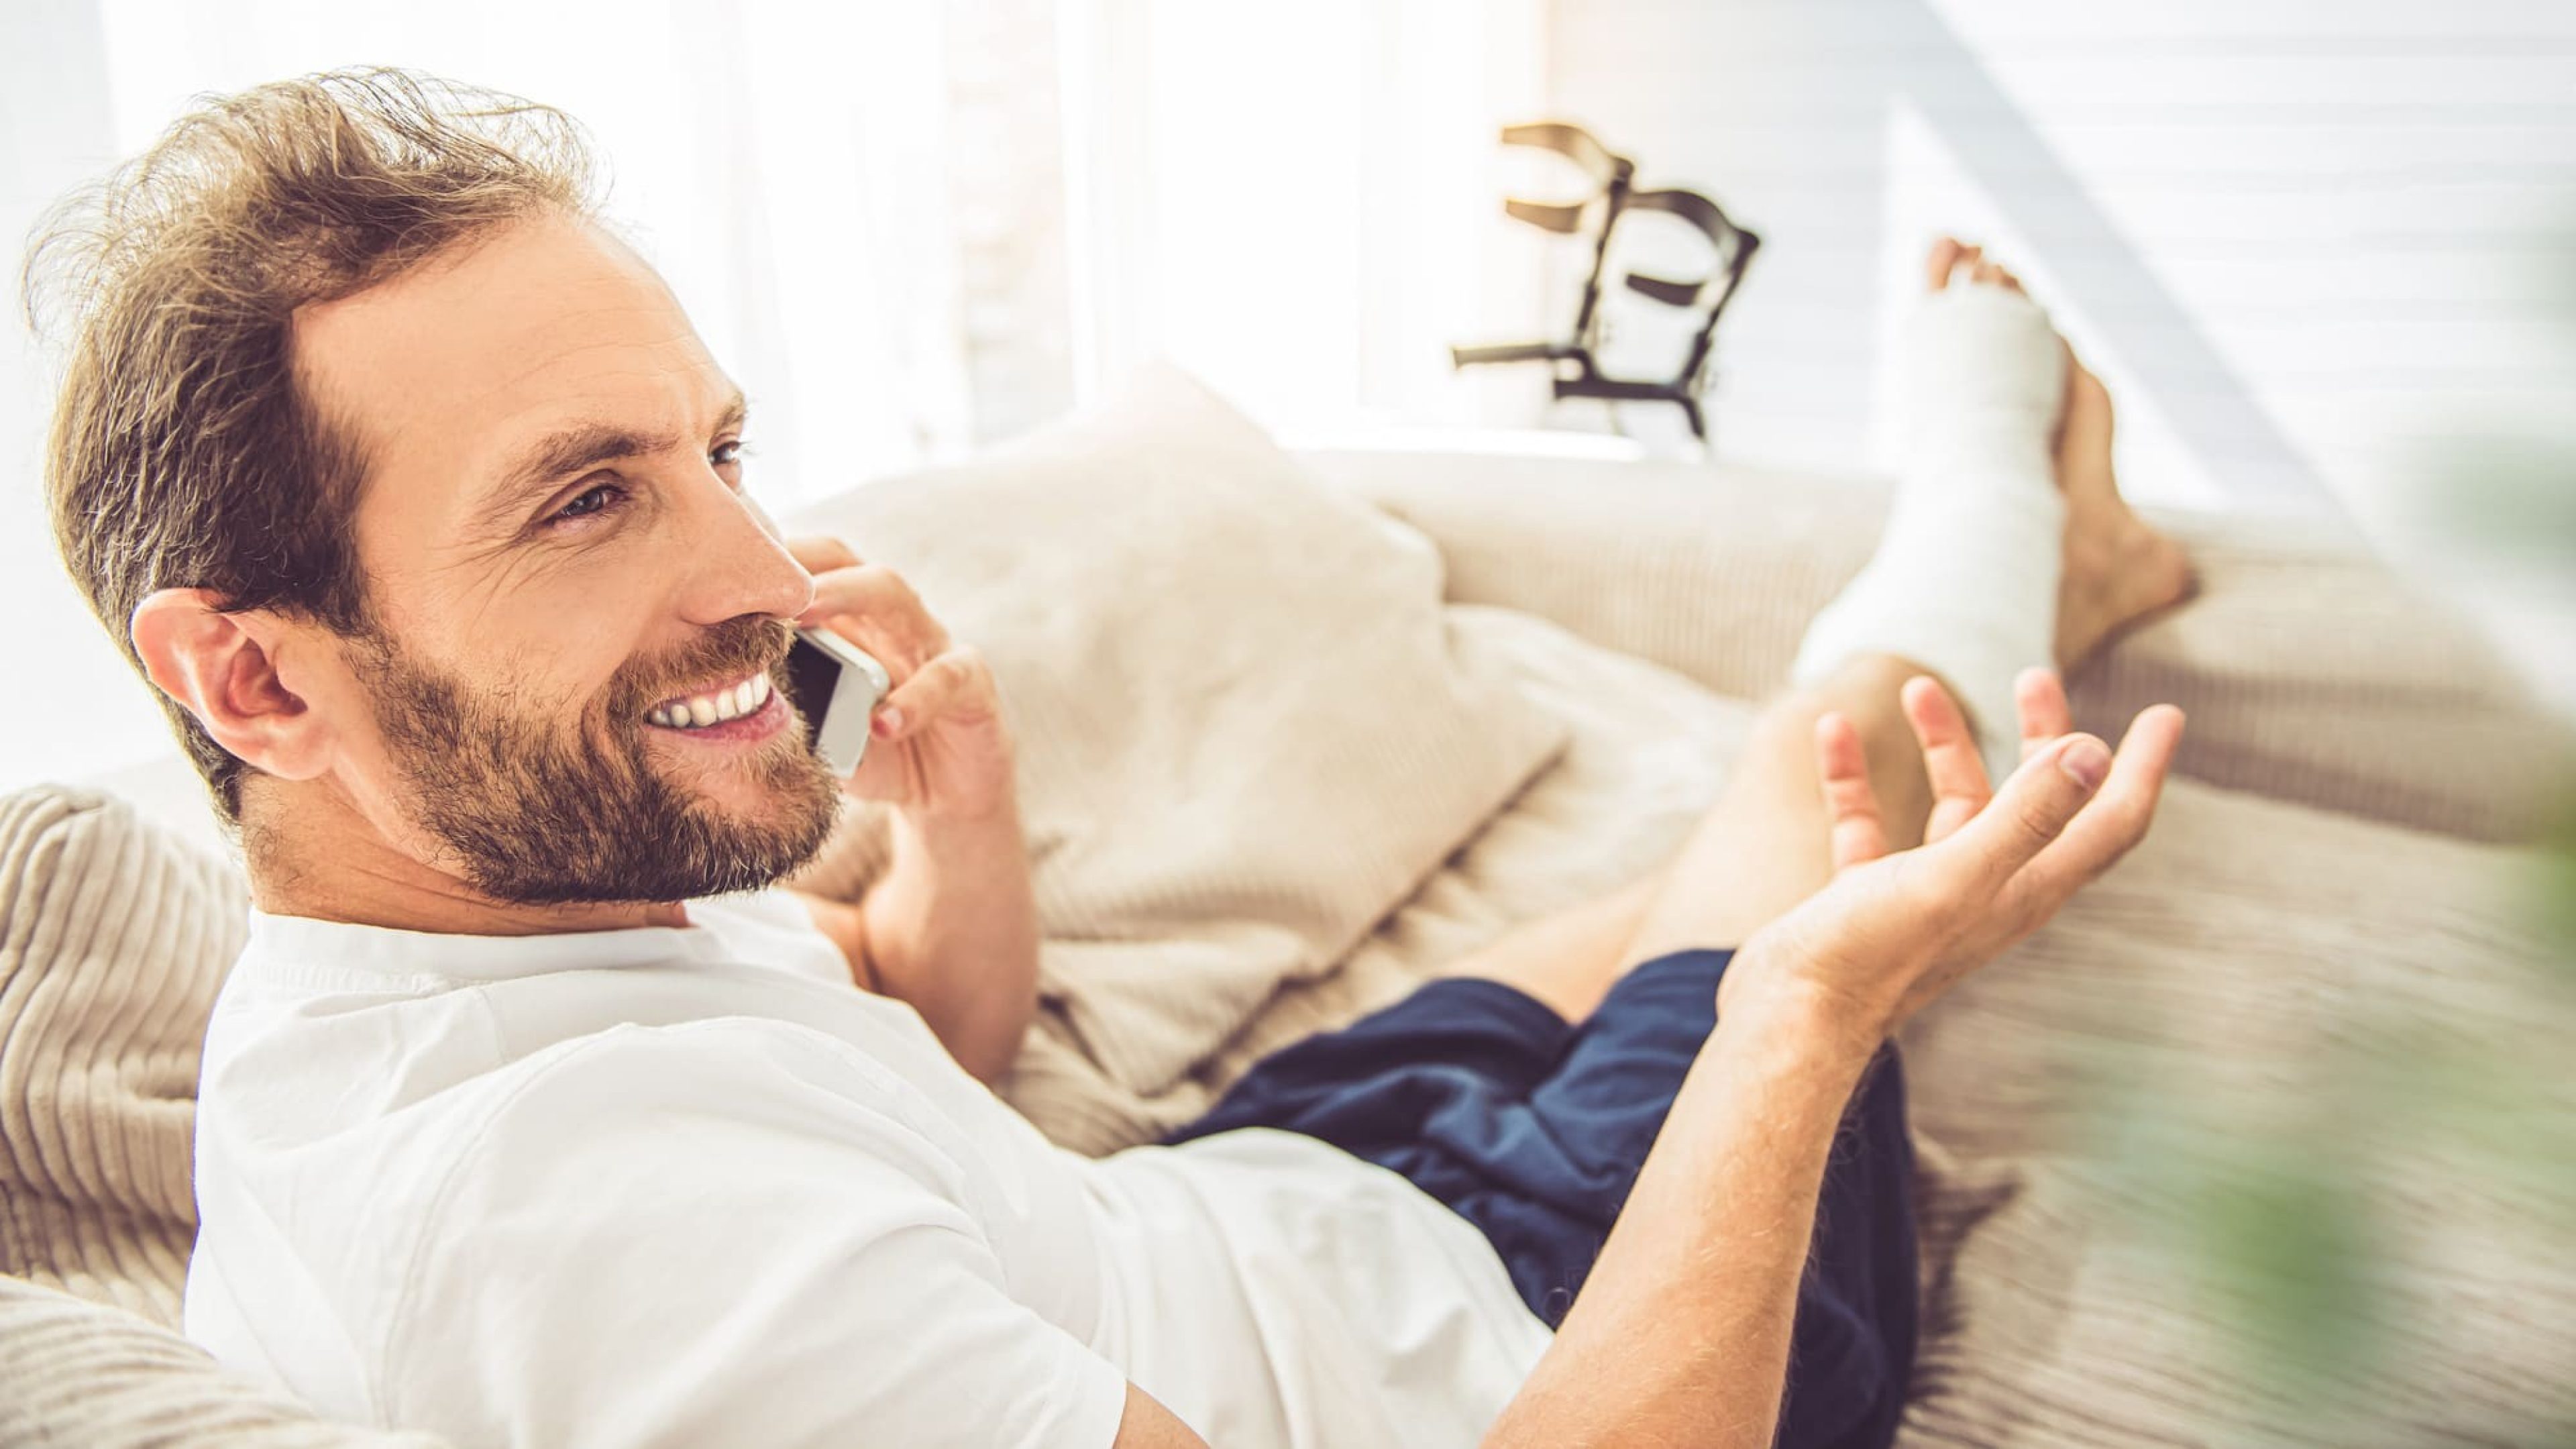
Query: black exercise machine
[[1613, 178]]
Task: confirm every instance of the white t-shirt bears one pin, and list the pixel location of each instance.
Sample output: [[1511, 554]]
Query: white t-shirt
[[689, 1186]]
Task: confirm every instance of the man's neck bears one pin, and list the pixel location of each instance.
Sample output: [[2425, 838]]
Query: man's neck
[[317, 855]]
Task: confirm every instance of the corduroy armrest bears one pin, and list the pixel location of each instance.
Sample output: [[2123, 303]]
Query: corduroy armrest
[[2310, 671]]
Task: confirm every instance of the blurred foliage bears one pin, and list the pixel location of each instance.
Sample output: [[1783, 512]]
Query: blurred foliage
[[2285, 1223], [2282, 1226], [2511, 500]]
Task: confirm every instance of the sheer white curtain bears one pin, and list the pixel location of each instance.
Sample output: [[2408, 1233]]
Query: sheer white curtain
[[1302, 203], [55, 129], [784, 165]]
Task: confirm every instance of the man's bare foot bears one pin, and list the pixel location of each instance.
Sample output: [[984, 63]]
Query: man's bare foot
[[1949, 254], [2118, 570]]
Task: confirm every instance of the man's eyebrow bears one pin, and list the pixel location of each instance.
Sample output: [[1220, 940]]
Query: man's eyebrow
[[570, 449]]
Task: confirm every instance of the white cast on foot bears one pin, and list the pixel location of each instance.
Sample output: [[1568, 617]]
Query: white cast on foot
[[1965, 579]]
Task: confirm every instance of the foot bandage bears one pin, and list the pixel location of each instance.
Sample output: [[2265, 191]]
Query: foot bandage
[[1965, 579]]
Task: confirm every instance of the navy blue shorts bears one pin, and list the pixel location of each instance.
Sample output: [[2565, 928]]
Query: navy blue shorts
[[1533, 1129]]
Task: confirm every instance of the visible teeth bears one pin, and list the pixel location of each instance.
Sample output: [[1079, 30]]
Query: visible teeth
[[698, 711]]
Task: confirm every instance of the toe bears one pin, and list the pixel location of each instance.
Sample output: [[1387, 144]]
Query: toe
[[1941, 261]]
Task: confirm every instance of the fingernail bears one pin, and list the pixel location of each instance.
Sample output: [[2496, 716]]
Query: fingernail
[[2086, 762], [889, 720]]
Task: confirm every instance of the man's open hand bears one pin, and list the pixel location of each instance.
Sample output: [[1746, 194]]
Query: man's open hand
[[1893, 931], [938, 746]]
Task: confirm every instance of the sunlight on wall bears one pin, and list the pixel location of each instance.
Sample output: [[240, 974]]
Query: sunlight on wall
[[1301, 204], [97, 713]]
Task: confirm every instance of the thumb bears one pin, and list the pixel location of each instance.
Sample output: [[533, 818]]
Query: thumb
[[2033, 807]]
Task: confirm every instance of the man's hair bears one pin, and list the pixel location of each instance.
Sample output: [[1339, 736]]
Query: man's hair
[[184, 453]]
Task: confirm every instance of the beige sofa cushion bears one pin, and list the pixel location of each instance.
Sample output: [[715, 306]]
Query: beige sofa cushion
[[1245, 727], [114, 936], [86, 1376]]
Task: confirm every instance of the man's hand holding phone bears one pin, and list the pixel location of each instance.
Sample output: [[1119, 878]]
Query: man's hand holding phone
[[937, 745]]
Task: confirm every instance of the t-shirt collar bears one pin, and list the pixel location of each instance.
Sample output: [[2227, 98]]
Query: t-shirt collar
[[307, 940]]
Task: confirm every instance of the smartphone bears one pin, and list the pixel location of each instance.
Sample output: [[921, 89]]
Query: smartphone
[[836, 686]]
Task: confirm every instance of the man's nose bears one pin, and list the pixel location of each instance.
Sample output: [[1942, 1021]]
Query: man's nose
[[737, 562]]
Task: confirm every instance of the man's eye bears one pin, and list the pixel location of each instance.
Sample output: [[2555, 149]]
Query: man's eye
[[731, 452], [595, 500]]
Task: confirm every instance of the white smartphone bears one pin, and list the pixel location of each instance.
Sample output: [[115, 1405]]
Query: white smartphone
[[836, 686]]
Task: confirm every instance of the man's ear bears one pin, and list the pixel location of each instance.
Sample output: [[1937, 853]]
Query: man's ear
[[222, 668]]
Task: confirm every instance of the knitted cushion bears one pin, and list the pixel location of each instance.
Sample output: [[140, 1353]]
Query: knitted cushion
[[77, 1373], [1244, 725], [114, 936]]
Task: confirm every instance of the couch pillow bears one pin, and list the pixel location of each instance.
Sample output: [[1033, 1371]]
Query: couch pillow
[[1245, 729], [114, 936], [73, 1372]]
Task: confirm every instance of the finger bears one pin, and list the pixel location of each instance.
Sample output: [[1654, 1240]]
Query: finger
[[2117, 819], [1853, 823], [821, 555], [2039, 697], [2028, 814], [873, 606], [1950, 758], [955, 683]]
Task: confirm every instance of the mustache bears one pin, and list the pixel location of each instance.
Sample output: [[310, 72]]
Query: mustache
[[735, 647]]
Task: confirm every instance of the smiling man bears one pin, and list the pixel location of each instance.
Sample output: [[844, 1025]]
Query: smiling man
[[534, 1114]]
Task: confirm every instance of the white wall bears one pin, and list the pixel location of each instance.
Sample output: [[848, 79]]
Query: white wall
[[91, 712], [1301, 203], [2310, 241]]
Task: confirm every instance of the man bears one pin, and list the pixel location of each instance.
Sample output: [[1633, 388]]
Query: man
[[416, 496]]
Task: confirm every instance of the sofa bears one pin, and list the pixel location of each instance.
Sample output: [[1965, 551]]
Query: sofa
[[1297, 728]]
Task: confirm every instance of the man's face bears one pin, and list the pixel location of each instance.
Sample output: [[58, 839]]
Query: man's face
[[558, 551]]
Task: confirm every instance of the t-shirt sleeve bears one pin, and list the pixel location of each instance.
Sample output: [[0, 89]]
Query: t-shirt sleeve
[[704, 1235]]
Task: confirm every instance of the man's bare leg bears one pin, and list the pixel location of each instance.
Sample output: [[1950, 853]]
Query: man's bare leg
[[1759, 850], [1761, 847]]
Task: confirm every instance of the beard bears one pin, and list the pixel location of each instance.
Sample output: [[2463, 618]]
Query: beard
[[533, 818]]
